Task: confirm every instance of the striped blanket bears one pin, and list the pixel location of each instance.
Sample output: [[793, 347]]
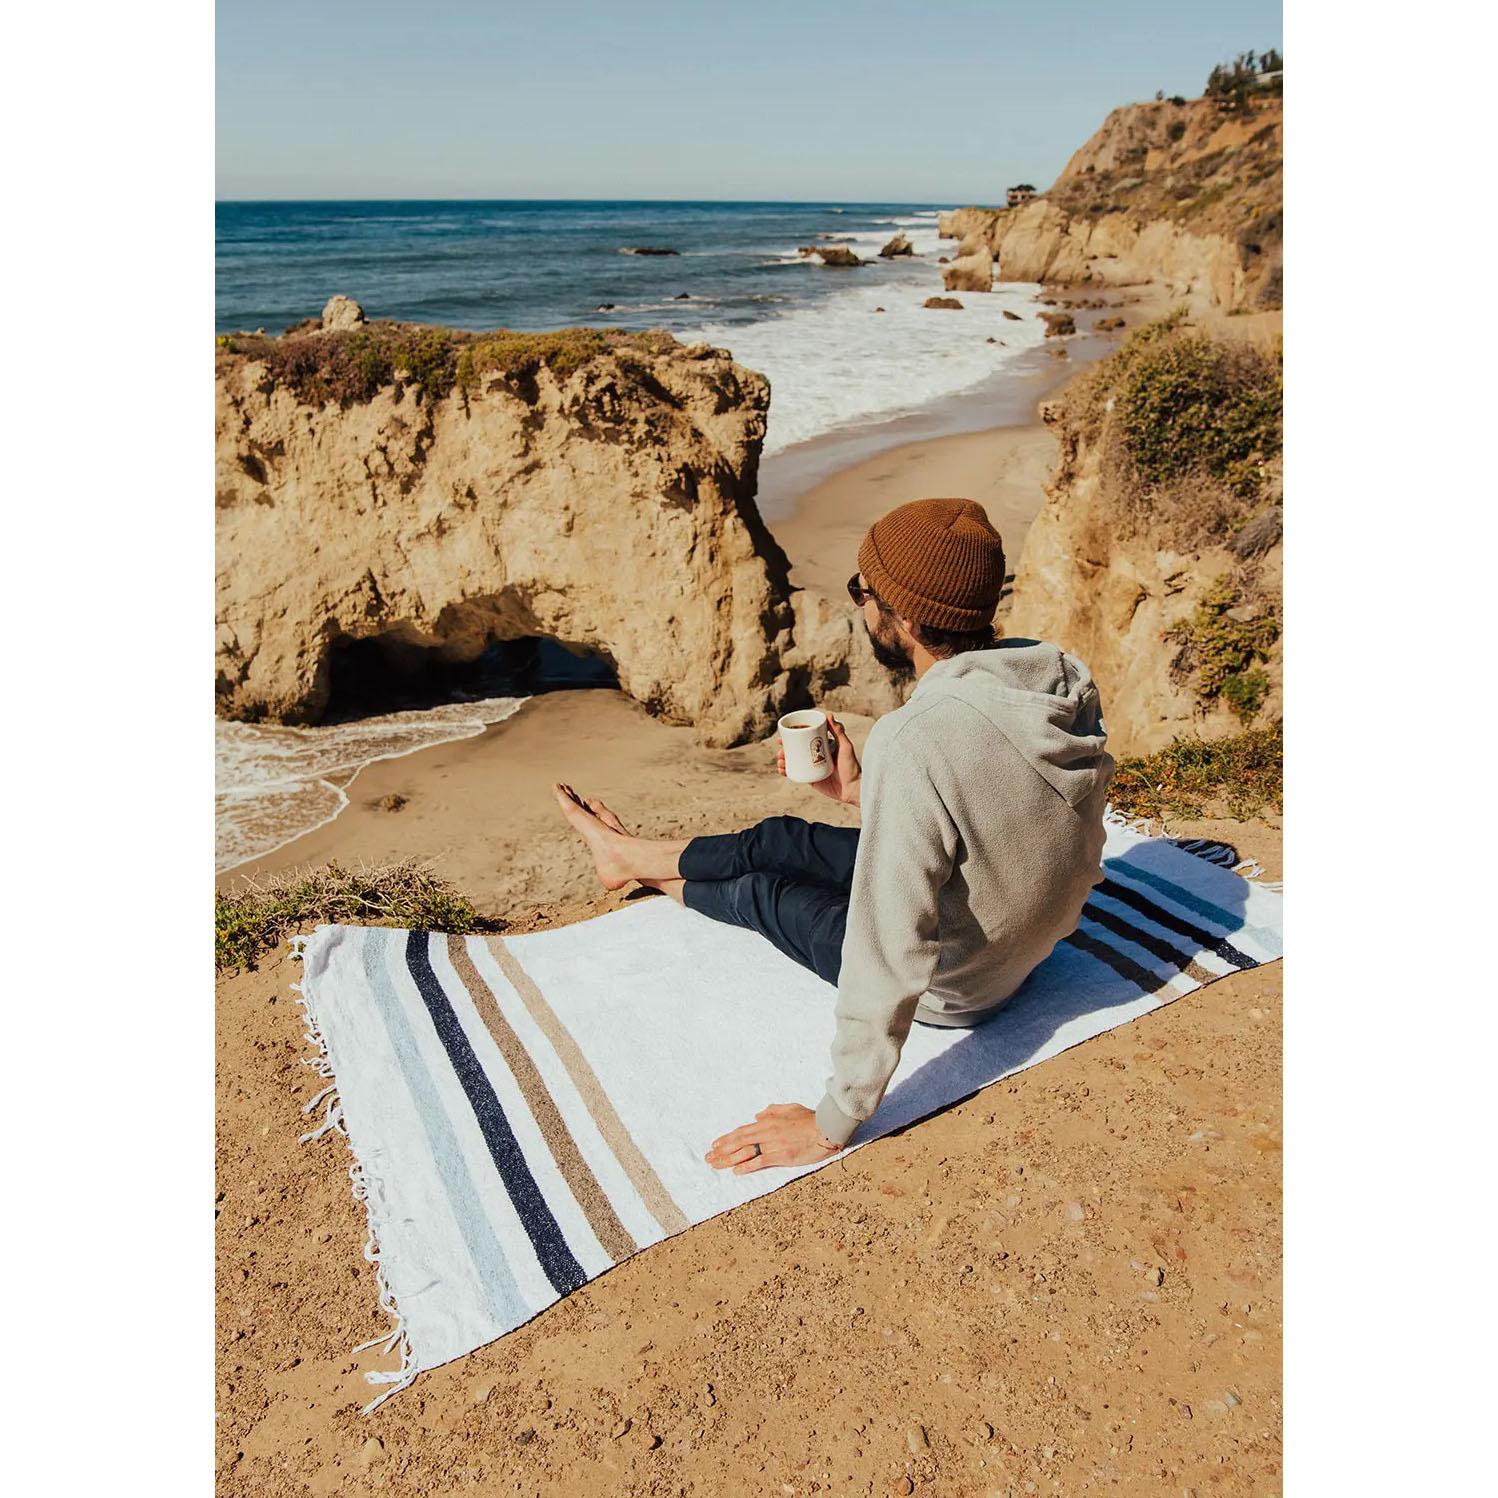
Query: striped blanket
[[524, 1112]]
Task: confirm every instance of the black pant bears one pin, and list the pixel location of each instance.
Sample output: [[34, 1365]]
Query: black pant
[[786, 878]]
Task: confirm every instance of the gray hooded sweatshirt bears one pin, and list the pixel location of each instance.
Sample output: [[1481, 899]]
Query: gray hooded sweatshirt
[[982, 837]]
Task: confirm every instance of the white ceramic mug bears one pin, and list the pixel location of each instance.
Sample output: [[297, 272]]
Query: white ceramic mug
[[809, 746]]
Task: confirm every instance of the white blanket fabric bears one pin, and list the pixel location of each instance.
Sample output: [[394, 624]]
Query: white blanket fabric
[[525, 1112]]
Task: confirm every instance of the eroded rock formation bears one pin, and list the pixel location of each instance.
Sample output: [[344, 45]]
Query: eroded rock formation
[[597, 489], [970, 271], [1167, 586], [1183, 194]]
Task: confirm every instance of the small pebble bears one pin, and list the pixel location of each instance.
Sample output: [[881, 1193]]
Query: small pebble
[[904, 1485], [916, 1439], [621, 1429], [1184, 1411], [1075, 1211], [371, 1451], [1231, 1400], [480, 1393], [525, 1437]]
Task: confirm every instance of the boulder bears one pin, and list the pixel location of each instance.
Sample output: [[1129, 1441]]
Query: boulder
[[341, 314], [1057, 324], [1108, 324], [836, 254], [949, 303], [899, 245], [972, 272], [413, 531]]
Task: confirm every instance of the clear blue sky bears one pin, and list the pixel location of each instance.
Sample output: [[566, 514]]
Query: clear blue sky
[[894, 100]]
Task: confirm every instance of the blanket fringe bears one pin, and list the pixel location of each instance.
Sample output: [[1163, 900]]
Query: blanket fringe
[[398, 1378], [1224, 855]]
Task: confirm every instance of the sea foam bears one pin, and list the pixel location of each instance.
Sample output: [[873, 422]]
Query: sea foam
[[839, 361], [274, 784]]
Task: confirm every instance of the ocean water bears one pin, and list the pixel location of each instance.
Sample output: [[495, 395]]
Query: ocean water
[[833, 360], [842, 348]]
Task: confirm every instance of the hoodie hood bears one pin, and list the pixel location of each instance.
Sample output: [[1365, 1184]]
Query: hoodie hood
[[1043, 701]]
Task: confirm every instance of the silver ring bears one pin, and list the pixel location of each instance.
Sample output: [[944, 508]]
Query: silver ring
[[757, 1152]]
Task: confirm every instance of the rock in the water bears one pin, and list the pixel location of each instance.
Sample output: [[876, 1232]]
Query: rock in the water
[[1108, 324], [835, 254], [649, 249], [1057, 324], [899, 245], [949, 302], [972, 272], [1012, 316], [340, 314]]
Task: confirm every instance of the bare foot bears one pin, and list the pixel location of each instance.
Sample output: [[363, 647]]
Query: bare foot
[[602, 839], [604, 813]]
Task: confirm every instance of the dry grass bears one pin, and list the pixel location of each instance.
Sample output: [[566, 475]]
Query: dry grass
[[260, 914], [1242, 776], [350, 366]]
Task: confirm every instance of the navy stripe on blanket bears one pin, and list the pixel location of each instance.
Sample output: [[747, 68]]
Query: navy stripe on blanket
[[561, 1267], [1146, 939], [1121, 964], [1205, 941]]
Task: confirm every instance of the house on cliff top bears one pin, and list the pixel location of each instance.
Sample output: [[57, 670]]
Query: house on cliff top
[[1019, 196]]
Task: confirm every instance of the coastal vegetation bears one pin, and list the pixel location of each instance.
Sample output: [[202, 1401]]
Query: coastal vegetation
[[1242, 776], [261, 914], [1190, 426], [1222, 643], [348, 366]]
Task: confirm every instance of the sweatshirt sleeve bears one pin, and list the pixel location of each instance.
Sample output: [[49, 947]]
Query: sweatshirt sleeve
[[891, 945]]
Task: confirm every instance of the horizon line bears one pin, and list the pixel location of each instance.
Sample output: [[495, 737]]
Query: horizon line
[[793, 202]]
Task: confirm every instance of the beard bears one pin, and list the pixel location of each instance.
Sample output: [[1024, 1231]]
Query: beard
[[889, 650]]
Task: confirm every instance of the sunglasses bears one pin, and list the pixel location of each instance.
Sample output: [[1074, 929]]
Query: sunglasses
[[860, 594]]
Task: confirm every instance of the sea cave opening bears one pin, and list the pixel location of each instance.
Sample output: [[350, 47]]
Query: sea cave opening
[[385, 674]]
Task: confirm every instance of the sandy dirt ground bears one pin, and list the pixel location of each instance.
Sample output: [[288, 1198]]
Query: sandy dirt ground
[[1068, 1283]]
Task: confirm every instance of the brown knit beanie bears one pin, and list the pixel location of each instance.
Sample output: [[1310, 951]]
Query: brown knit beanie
[[936, 562]]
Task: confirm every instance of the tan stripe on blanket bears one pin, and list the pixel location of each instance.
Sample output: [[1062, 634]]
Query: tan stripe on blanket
[[575, 1170], [652, 1190]]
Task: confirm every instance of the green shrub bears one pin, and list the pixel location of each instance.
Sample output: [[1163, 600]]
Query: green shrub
[[1243, 774], [1189, 405], [1175, 130], [259, 915], [1222, 648], [1245, 693]]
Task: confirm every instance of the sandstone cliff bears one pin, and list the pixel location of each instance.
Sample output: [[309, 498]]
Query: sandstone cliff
[[434, 492], [1185, 194], [1156, 557]]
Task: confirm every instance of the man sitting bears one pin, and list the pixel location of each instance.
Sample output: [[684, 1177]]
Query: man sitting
[[982, 829]]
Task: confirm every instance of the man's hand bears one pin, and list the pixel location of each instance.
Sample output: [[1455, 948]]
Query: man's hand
[[782, 1134], [847, 774]]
